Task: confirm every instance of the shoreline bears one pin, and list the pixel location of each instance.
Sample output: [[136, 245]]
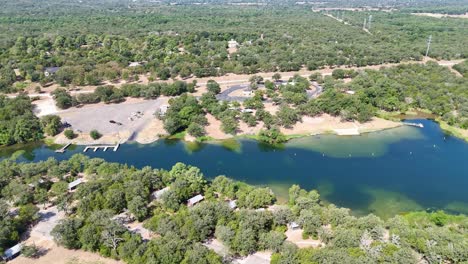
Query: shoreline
[[310, 126]]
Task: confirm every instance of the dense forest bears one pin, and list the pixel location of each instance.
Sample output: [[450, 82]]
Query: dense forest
[[179, 41], [111, 189]]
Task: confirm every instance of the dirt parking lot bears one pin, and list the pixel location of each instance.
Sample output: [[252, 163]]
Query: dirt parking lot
[[98, 116]]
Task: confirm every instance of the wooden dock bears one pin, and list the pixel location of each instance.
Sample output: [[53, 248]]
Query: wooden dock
[[63, 149], [103, 147], [414, 124]]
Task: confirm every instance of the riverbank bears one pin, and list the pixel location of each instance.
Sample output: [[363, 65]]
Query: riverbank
[[153, 129]]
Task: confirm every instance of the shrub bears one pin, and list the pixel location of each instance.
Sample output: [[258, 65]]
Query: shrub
[[95, 134], [69, 134]]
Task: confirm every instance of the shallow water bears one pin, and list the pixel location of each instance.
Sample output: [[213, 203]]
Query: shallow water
[[386, 172]]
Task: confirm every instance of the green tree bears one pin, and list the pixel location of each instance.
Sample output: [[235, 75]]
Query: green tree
[[137, 206], [95, 134], [213, 87], [65, 233], [51, 124], [69, 134]]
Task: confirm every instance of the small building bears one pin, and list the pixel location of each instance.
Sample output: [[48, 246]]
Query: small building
[[72, 185], [12, 252], [232, 44], [135, 64], [163, 110], [194, 200], [247, 110], [232, 204], [293, 226], [288, 83], [156, 195], [350, 92], [49, 71]]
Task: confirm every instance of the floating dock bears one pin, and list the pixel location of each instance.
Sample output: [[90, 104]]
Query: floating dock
[[63, 149], [103, 147], [414, 124]]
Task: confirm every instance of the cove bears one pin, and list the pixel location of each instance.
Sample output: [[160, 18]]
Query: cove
[[386, 172]]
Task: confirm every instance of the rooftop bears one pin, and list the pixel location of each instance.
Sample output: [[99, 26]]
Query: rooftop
[[74, 183], [11, 252], [157, 194], [52, 69], [195, 199]]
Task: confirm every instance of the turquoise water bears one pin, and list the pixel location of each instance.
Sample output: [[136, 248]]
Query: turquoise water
[[385, 172]]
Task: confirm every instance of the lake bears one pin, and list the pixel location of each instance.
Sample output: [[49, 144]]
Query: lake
[[386, 172]]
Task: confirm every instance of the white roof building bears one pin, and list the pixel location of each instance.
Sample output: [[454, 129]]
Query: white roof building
[[293, 225], [163, 109], [156, 195], [135, 64], [74, 183], [233, 44], [194, 200], [350, 92], [233, 204], [12, 252]]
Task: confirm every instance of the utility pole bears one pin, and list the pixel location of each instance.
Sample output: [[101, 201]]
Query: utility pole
[[429, 40], [369, 23]]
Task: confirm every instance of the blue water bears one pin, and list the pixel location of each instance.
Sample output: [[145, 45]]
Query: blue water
[[385, 172]]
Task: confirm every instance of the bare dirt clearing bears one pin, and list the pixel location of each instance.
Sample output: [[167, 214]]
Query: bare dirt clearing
[[295, 236], [130, 118]]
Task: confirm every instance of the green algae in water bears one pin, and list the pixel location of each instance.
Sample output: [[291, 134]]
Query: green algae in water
[[192, 147], [232, 145], [373, 144], [386, 204], [458, 207]]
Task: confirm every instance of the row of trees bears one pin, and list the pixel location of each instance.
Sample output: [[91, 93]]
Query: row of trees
[[111, 94]]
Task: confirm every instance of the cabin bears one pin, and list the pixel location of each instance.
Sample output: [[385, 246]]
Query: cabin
[[12, 252], [293, 226], [156, 195], [72, 185], [232, 44], [194, 200], [49, 71]]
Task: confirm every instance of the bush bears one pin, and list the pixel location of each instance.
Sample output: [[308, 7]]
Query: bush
[[196, 130], [69, 134], [30, 251], [95, 134], [271, 136], [213, 87], [51, 124]]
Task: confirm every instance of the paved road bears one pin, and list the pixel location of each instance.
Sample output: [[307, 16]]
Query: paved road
[[224, 95], [316, 92]]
